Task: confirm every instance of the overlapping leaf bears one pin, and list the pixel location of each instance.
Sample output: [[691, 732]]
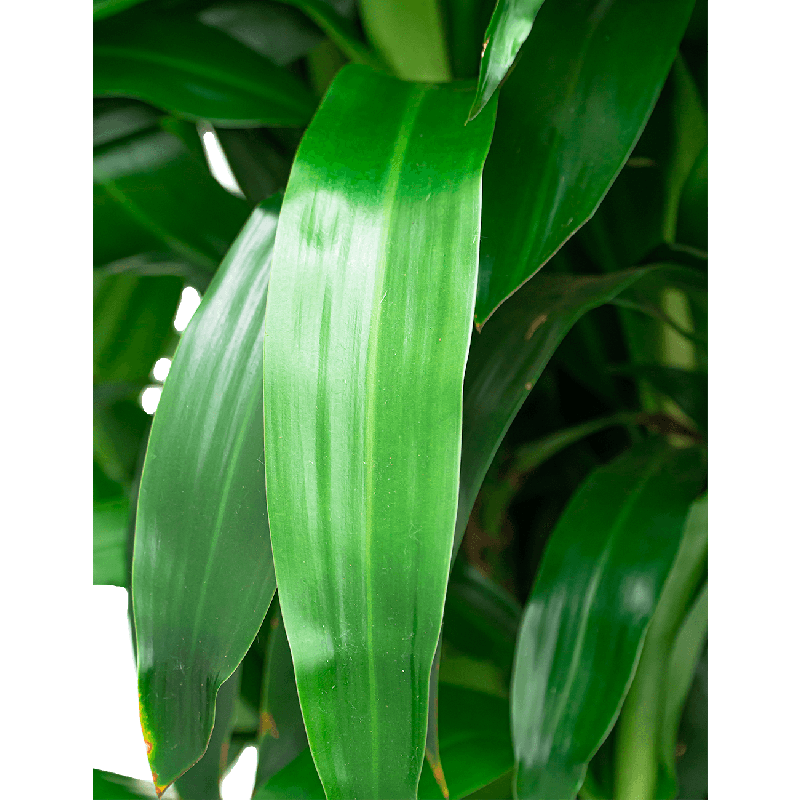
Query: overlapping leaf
[[569, 115], [202, 573], [508, 29], [368, 323], [595, 593]]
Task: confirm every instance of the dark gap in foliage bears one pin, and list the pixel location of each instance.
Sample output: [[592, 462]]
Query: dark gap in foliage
[[215, 157], [190, 299], [238, 784]]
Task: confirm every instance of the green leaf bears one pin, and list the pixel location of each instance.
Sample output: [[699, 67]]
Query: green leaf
[[117, 118], [476, 749], [374, 281], [508, 29], [202, 781], [120, 429], [555, 152], [196, 72], [641, 739], [110, 786], [594, 595], [506, 359], [202, 567], [153, 193], [466, 22], [409, 37]]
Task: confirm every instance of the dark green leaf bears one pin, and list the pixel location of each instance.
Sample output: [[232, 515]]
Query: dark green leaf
[[120, 431], [111, 520], [151, 193], [692, 224], [374, 281], [117, 118], [595, 593], [202, 571], [107, 8], [196, 72], [109, 786], [570, 113]]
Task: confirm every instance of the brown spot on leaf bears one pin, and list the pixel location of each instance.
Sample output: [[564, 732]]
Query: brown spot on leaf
[[483, 49], [438, 773], [266, 724], [538, 322], [528, 386]]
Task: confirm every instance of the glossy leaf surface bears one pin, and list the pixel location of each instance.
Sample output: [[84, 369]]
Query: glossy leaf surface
[[368, 324], [475, 748], [508, 29], [639, 729], [202, 571], [595, 593], [568, 117], [196, 72]]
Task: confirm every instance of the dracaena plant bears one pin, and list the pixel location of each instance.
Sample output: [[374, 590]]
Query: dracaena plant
[[421, 512]]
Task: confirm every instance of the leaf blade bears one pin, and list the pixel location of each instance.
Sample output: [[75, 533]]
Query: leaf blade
[[594, 595], [405, 181], [202, 574]]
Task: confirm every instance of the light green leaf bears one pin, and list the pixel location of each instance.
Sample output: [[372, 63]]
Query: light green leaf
[[409, 37], [111, 522], [595, 593], [368, 324], [202, 568]]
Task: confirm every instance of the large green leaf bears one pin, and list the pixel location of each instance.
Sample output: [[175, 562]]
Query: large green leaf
[[202, 568], [594, 595], [569, 115], [368, 324], [508, 29], [197, 72]]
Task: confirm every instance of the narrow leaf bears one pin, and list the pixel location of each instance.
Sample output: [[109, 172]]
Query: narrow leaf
[[508, 29], [554, 153], [368, 324], [197, 72], [202, 570], [595, 593], [111, 520]]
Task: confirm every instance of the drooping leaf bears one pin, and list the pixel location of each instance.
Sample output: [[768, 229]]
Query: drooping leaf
[[594, 595], [507, 357], [508, 29], [569, 115], [196, 72], [202, 569], [368, 323]]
